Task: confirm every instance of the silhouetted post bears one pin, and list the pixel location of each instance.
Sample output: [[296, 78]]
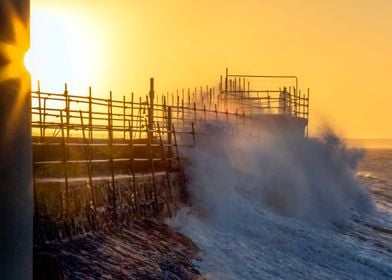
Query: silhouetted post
[[111, 160], [39, 108], [87, 155], [193, 134], [243, 88], [90, 114], [227, 73], [131, 128], [164, 159], [169, 135], [140, 117], [178, 107], [295, 102], [134, 192], [151, 160], [300, 108], [182, 108], [307, 114], [124, 120], [16, 188], [64, 149], [178, 158], [151, 110], [44, 118], [67, 103]]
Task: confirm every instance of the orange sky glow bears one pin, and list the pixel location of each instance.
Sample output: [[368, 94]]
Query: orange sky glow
[[340, 49]]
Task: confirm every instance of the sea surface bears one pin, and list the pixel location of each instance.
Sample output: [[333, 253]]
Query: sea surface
[[276, 207]]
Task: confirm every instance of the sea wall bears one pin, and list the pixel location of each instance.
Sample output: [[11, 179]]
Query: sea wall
[[285, 125], [62, 212]]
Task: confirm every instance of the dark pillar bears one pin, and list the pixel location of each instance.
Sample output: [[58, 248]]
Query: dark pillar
[[151, 109], [16, 193]]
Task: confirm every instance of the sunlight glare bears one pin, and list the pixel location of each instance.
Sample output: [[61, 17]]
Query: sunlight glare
[[14, 71], [27, 61], [62, 51]]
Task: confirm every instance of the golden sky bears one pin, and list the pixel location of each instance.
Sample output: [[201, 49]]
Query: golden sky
[[340, 49]]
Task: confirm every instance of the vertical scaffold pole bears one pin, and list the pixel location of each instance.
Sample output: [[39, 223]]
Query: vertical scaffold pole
[[227, 73], [124, 120], [151, 109], [39, 107], [307, 114], [164, 158], [67, 107], [87, 155], [151, 160], [110, 132], [65, 164], [134, 192], [90, 113], [169, 135]]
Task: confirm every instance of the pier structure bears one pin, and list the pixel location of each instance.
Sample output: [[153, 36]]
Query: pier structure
[[273, 102], [104, 161]]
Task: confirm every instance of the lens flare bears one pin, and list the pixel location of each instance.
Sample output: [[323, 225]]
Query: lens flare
[[27, 62], [12, 51]]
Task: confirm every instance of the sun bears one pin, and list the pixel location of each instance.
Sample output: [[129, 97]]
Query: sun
[[63, 49], [27, 61], [12, 51]]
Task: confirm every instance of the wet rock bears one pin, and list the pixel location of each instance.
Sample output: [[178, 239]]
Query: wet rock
[[146, 250]]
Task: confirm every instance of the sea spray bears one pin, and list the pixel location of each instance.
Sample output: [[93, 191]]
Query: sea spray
[[311, 179], [265, 207]]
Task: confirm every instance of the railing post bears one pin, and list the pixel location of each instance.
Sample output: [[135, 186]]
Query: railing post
[[169, 134], [307, 115], [295, 102], [124, 120], [132, 105], [67, 105], [227, 73], [39, 108], [220, 84], [110, 134], [189, 97], [132, 158], [151, 160], [182, 108], [44, 118], [90, 113], [164, 158], [300, 107], [140, 117], [87, 154], [151, 110], [182, 175], [65, 162]]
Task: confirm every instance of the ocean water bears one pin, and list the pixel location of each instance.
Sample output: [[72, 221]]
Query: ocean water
[[278, 207]]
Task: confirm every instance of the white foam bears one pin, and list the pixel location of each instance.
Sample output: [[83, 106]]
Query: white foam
[[266, 208]]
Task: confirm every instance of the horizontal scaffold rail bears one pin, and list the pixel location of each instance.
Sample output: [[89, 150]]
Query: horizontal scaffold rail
[[93, 138]]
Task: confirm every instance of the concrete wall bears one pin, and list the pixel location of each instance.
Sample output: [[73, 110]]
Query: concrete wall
[[284, 125]]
